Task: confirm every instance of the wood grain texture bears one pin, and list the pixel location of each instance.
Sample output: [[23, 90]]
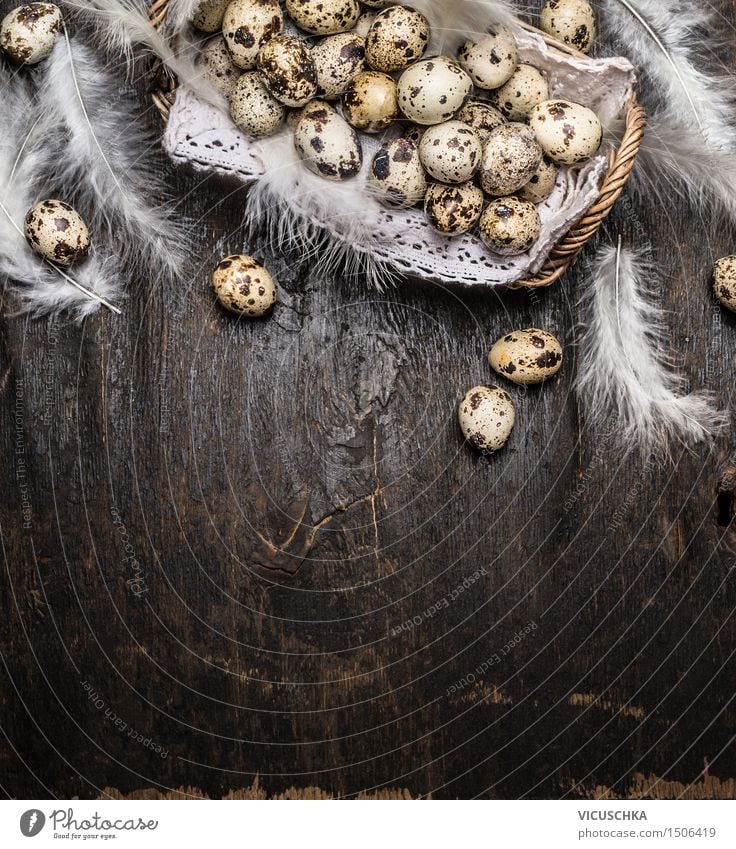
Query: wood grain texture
[[255, 557]]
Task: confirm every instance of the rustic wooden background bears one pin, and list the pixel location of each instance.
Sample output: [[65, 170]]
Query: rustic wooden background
[[256, 558]]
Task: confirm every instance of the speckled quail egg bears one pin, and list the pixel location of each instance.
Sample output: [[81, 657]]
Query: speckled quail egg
[[327, 144], [542, 184], [254, 110], [375, 4], [337, 59], [399, 36], [510, 159], [487, 417], [453, 210], [451, 152], [288, 71], [397, 175], [217, 65], [294, 116], [492, 59], [247, 26], [571, 21], [324, 17], [567, 132], [57, 232], [28, 34], [433, 90], [370, 102], [243, 286], [515, 99], [482, 117], [510, 226], [209, 14], [526, 357], [724, 282]]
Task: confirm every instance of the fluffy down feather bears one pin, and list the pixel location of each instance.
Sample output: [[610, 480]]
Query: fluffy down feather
[[41, 287], [625, 380], [454, 21], [104, 162]]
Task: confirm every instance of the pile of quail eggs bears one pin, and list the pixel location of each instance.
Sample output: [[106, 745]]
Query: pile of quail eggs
[[474, 138]]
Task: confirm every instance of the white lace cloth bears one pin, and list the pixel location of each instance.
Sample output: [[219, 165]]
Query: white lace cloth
[[207, 139]]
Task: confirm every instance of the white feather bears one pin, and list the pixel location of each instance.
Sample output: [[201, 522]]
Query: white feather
[[126, 25], [42, 288], [103, 162], [626, 381], [455, 21], [663, 39], [293, 204]]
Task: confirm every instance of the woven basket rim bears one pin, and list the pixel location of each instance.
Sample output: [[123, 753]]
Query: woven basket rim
[[567, 250]]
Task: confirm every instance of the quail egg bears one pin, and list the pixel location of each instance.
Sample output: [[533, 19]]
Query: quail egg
[[398, 36], [510, 226], [294, 116], [487, 417], [243, 286], [491, 60], [337, 59], [375, 4], [453, 210], [451, 152], [482, 117], [396, 174], [571, 21], [542, 184], [526, 357], [288, 71], [327, 144], [510, 159], [254, 110], [217, 65], [433, 90], [370, 102], [567, 132], [28, 33], [516, 98], [247, 26], [324, 17], [57, 232], [724, 281], [209, 14]]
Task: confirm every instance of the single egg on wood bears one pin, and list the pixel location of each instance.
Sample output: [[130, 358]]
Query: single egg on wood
[[28, 33], [571, 21], [510, 226], [526, 357], [57, 231], [487, 417], [724, 282], [244, 286], [567, 132]]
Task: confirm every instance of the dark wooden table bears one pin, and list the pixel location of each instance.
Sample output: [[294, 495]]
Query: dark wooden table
[[256, 557]]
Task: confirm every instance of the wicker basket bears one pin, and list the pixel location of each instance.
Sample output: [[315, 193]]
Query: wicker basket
[[567, 250]]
